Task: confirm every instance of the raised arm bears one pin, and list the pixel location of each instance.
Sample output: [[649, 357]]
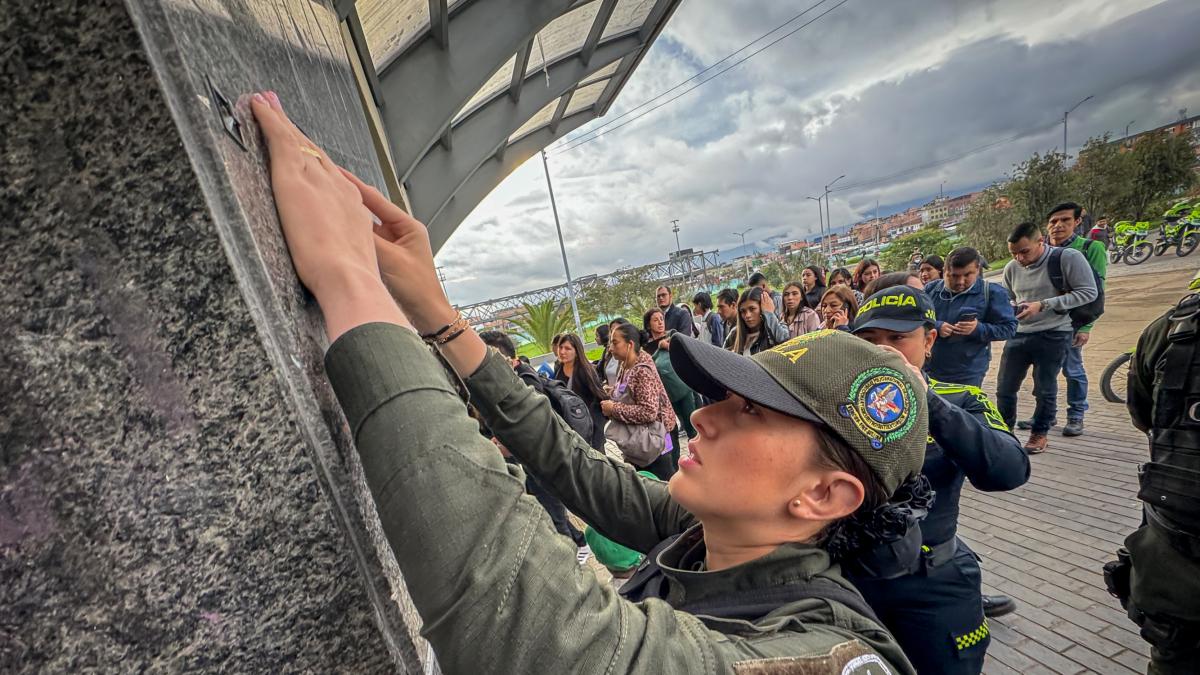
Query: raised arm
[[975, 438], [609, 495]]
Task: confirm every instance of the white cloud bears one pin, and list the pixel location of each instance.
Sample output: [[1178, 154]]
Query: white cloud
[[867, 91]]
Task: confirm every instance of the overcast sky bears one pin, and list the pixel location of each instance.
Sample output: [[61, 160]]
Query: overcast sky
[[871, 89]]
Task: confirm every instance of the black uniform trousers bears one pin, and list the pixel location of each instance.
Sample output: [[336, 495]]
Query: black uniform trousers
[[936, 614]]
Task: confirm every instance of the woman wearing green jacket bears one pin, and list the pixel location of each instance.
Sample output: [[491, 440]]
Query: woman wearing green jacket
[[739, 576]]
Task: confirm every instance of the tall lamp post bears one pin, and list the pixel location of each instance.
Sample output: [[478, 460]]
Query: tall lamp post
[[563, 248], [1065, 121], [829, 211], [745, 263], [820, 222], [676, 231]]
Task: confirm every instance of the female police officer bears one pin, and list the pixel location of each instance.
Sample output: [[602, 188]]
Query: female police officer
[[742, 581], [934, 607]]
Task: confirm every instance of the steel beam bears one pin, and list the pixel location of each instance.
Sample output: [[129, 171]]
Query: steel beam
[[561, 108], [489, 174], [441, 172], [598, 26], [439, 23], [426, 85], [518, 74]]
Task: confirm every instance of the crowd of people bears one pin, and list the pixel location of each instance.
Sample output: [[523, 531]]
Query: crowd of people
[[830, 427], [943, 316]]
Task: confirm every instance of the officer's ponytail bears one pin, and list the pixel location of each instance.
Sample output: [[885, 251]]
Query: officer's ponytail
[[881, 517]]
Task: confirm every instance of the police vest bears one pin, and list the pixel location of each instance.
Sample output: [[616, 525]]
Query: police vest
[[1170, 481]]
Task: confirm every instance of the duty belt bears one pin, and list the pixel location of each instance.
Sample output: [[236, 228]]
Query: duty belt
[[939, 554]]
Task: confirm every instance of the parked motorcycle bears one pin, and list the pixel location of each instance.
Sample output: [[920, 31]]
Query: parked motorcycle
[[1131, 242]]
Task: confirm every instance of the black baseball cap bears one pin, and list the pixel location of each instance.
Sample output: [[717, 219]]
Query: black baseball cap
[[897, 308], [866, 396]]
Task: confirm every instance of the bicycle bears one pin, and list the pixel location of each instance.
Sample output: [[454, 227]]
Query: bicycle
[[1114, 381], [1131, 242]]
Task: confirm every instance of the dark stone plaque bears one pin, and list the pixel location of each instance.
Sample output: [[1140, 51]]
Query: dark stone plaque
[[177, 488]]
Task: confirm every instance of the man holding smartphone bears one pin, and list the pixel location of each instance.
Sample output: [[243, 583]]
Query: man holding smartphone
[[972, 314]]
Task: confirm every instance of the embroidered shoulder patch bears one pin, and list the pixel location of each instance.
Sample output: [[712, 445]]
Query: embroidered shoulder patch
[[880, 405], [847, 658]]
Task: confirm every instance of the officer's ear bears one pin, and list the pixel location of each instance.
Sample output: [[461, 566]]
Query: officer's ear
[[930, 338], [830, 495]]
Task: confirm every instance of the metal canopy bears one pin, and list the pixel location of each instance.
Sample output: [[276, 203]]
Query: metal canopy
[[468, 89]]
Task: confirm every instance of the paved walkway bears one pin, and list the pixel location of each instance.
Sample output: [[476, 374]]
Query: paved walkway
[[1045, 543]]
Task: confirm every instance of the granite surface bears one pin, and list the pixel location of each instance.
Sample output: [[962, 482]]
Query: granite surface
[[177, 492]]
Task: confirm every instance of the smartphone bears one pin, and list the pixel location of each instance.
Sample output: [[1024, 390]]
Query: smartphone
[[968, 316], [1022, 307]]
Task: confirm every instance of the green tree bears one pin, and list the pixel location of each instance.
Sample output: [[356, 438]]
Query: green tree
[[1162, 167], [1102, 177], [542, 322], [988, 222], [931, 239], [628, 293], [1038, 184]]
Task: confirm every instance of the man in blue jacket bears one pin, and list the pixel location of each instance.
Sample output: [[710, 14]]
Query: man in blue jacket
[[972, 314]]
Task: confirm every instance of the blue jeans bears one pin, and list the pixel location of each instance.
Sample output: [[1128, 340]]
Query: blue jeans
[[1044, 351], [1077, 383]]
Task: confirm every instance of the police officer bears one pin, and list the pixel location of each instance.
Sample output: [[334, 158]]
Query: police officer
[[1157, 575], [739, 577], [933, 604]]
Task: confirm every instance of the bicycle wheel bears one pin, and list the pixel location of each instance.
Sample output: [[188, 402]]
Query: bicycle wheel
[[1138, 253], [1115, 379], [1114, 255], [1161, 246], [1187, 244]]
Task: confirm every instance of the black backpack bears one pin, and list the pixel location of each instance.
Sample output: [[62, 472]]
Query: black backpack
[[566, 403], [1083, 314]]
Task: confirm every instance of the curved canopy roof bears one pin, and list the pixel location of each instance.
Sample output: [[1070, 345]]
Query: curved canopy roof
[[467, 90]]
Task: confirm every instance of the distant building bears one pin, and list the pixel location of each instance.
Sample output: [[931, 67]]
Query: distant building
[[1187, 125]]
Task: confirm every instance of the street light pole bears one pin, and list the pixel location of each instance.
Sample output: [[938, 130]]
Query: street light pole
[[563, 248], [1065, 121], [829, 211], [1127, 128], [820, 221], [745, 263], [676, 231]]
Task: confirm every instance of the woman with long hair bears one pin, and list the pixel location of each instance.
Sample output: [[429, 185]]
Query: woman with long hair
[[797, 315], [842, 277], [838, 307], [757, 329], [580, 375], [741, 546], [813, 279], [683, 399], [866, 271], [640, 397], [967, 440], [931, 268]]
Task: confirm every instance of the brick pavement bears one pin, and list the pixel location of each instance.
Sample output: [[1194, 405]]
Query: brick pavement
[[1045, 543]]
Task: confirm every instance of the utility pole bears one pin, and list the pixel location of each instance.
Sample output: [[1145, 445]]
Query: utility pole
[[829, 211], [676, 231], [745, 263], [1127, 128], [820, 222], [442, 278], [563, 248], [1065, 121]]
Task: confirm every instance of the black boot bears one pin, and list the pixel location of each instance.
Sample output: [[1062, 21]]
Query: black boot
[[998, 605]]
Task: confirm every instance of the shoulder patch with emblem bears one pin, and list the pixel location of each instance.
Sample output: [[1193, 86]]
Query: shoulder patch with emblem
[[848, 658]]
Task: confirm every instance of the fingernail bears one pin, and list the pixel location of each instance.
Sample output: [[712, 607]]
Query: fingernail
[[259, 97]]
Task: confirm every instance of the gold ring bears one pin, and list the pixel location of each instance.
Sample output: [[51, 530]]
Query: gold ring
[[310, 151]]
